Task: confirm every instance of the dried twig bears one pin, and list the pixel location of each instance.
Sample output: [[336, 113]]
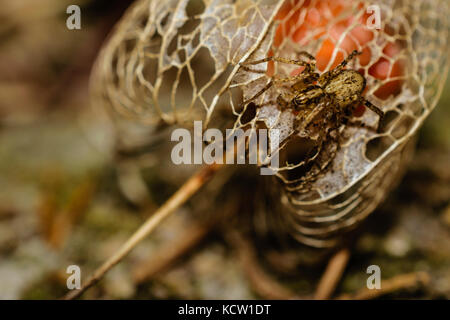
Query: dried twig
[[171, 252], [332, 274], [404, 281], [263, 284], [181, 196]]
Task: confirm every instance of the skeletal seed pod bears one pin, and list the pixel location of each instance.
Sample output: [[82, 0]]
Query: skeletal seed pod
[[173, 62]]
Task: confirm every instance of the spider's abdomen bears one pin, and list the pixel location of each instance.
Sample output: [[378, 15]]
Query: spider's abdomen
[[347, 87]]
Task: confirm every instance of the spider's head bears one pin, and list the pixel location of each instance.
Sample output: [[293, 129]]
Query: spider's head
[[347, 87], [307, 98]]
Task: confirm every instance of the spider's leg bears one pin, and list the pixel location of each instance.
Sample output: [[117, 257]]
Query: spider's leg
[[303, 83], [308, 118], [375, 109], [353, 54], [252, 70], [308, 67], [299, 77], [324, 136], [282, 102], [277, 59], [332, 73], [307, 55], [251, 63], [317, 170], [324, 78], [323, 168], [305, 77], [269, 103], [335, 151], [358, 124], [324, 133], [266, 87], [310, 156], [301, 63]]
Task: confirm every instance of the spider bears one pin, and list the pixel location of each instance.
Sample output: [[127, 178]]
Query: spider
[[323, 103]]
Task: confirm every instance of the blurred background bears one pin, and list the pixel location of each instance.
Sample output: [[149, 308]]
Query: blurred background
[[61, 201]]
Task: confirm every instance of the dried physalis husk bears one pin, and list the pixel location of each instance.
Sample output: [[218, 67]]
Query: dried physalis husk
[[176, 61]]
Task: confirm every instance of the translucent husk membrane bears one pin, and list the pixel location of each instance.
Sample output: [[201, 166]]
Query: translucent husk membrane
[[175, 61]]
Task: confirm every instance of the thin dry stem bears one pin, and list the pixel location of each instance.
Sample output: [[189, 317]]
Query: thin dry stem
[[171, 252], [181, 196], [401, 282], [332, 274], [263, 284]]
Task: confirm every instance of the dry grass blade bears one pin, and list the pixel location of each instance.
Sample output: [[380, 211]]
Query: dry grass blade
[[171, 252], [263, 284], [181, 196], [404, 281], [332, 274]]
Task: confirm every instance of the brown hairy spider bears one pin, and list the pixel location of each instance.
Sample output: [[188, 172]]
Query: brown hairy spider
[[323, 103]]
